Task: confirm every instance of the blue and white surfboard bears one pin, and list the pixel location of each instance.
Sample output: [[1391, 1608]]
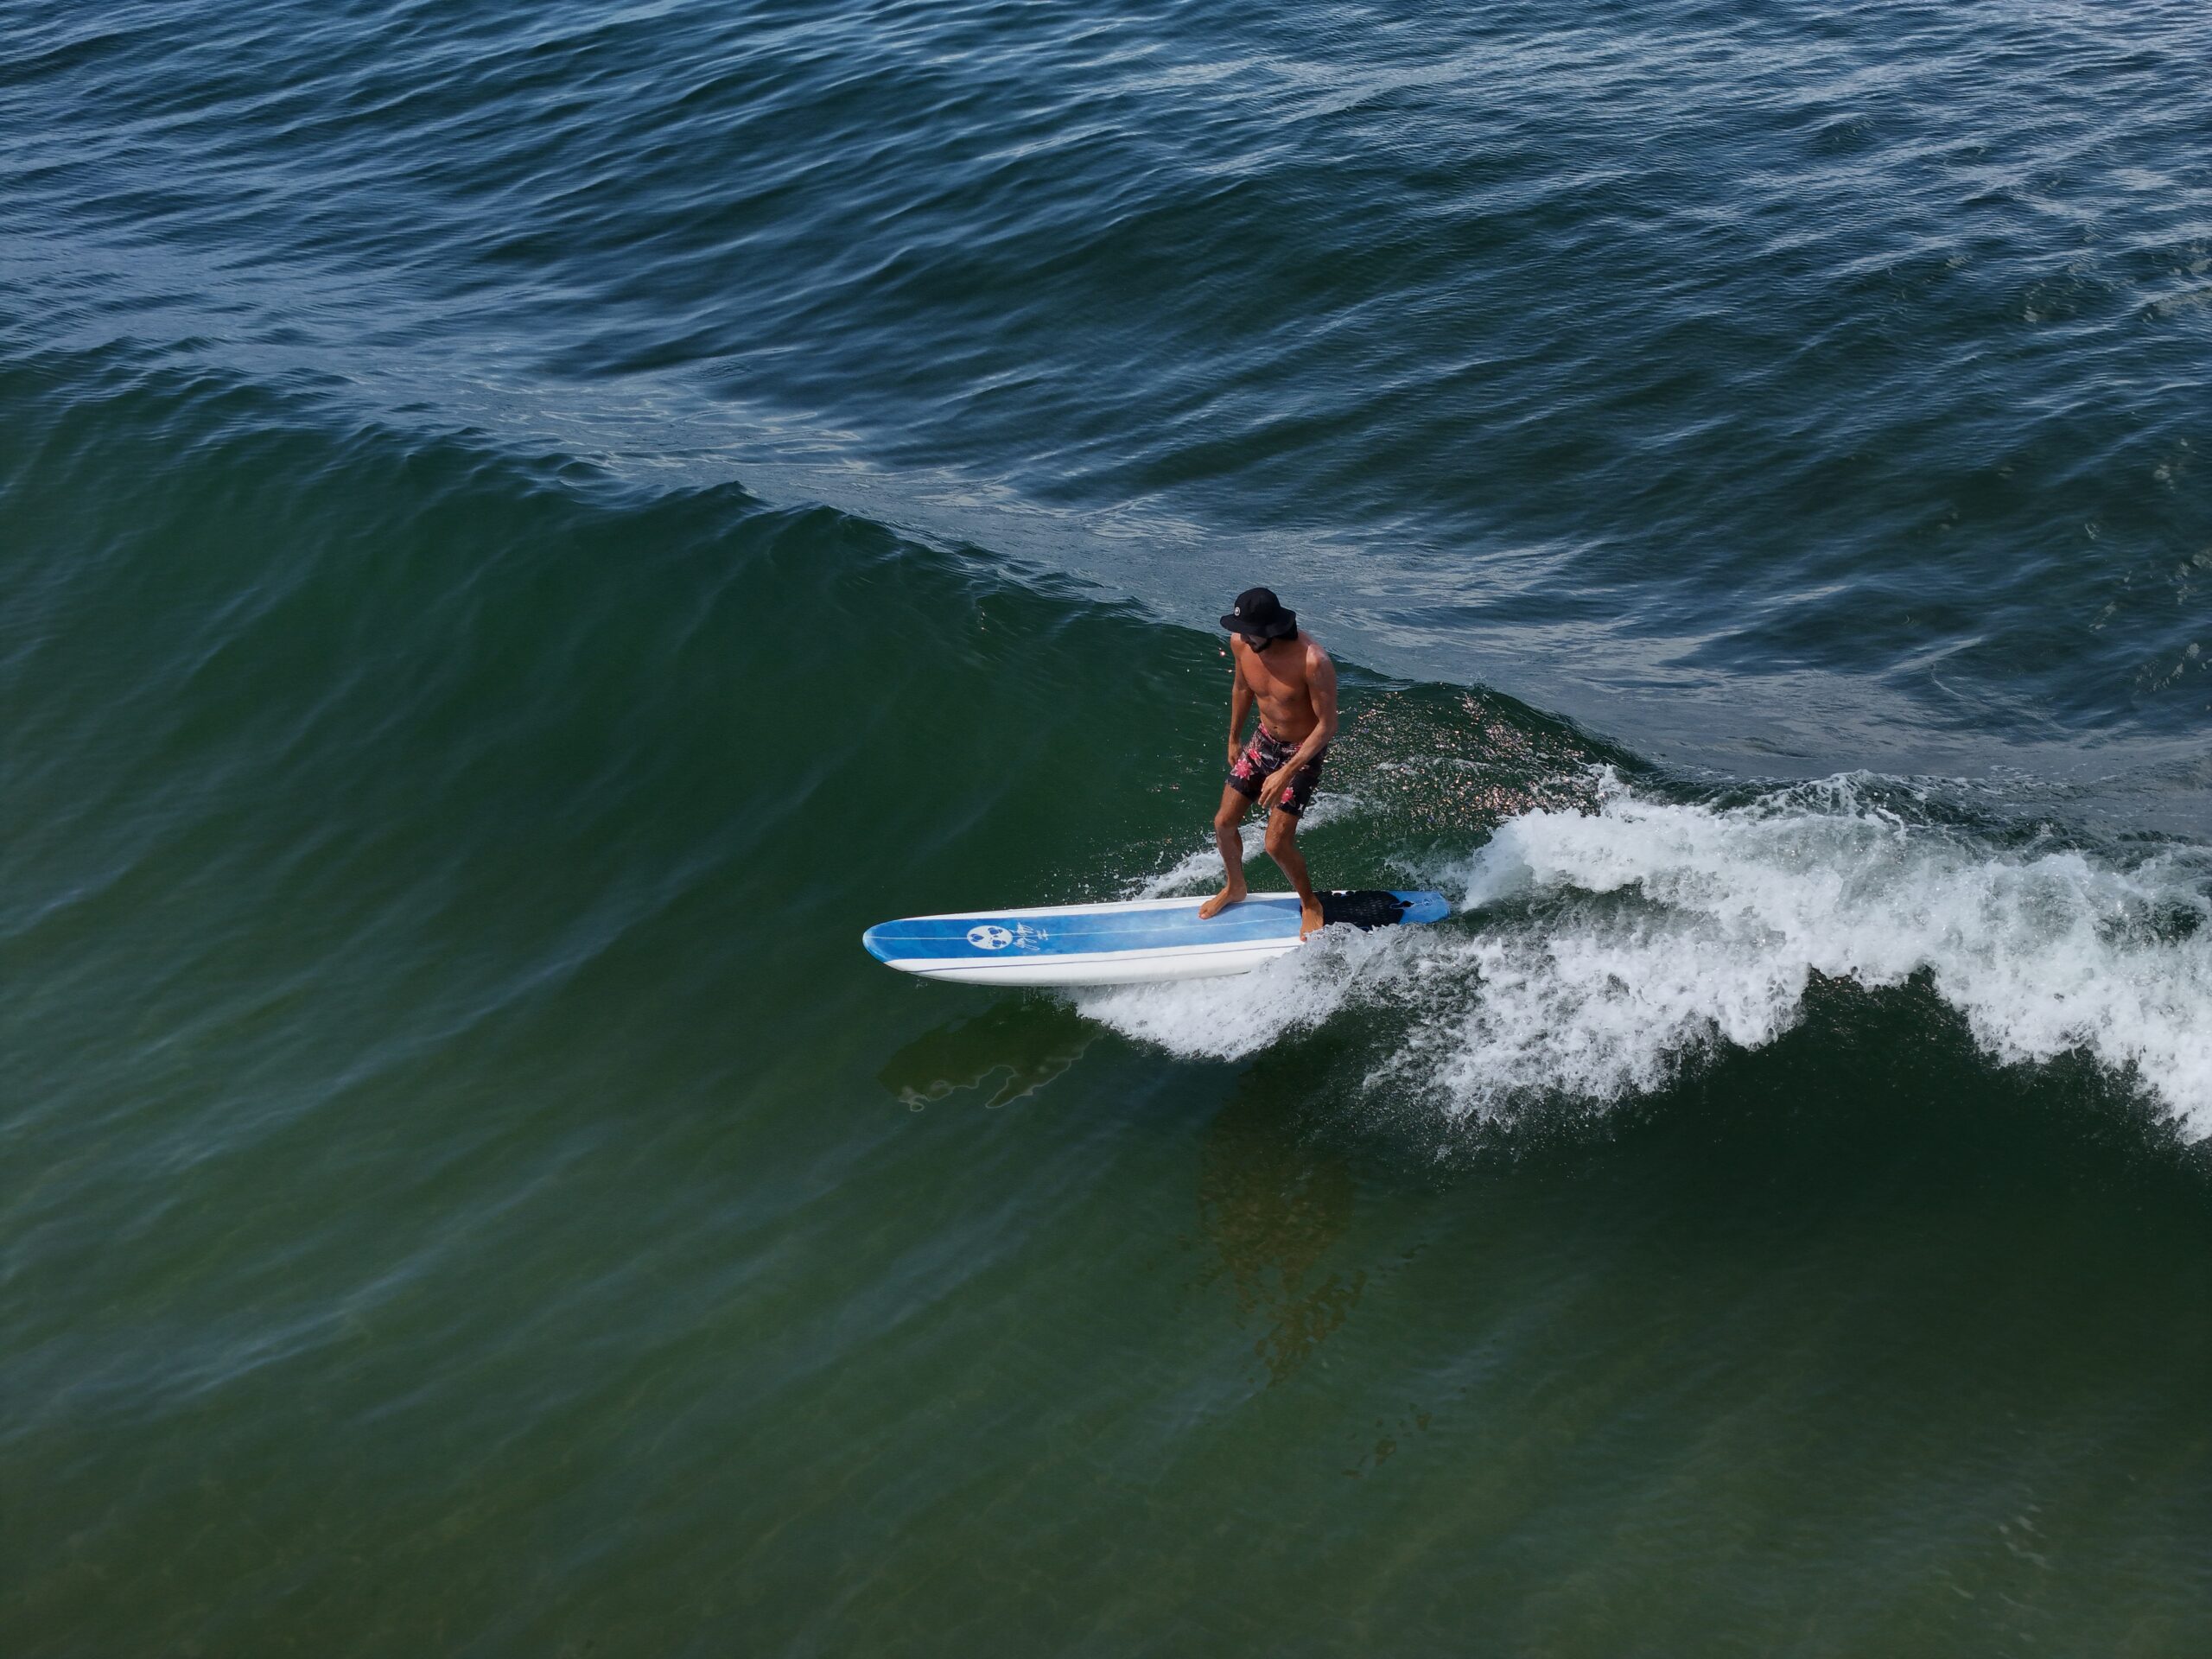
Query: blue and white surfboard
[[1125, 944]]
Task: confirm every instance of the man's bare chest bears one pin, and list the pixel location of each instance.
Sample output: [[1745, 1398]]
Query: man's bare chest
[[1275, 688]]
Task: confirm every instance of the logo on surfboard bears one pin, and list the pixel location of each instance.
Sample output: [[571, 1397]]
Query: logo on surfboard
[[991, 936]]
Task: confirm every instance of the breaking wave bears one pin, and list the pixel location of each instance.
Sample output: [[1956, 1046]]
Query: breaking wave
[[1598, 951]]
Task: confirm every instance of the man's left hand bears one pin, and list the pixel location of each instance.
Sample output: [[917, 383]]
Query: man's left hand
[[1277, 782]]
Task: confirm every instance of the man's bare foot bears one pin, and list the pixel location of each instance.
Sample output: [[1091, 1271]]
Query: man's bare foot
[[1222, 900], [1309, 919]]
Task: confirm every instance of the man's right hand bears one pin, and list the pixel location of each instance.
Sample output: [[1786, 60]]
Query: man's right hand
[[1236, 752]]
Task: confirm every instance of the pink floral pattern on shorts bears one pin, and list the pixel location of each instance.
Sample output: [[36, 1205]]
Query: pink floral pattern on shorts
[[1263, 757]]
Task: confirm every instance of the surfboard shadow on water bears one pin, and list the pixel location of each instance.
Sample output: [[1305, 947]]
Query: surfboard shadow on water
[[1008, 1052]]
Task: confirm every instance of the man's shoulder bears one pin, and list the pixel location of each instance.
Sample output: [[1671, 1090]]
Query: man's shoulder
[[1315, 654]]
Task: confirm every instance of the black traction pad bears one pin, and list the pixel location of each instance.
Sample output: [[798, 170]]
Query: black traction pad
[[1364, 909]]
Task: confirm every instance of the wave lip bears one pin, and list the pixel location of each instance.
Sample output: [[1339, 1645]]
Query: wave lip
[[1722, 915]]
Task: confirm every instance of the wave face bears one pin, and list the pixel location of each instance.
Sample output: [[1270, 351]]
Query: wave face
[[524, 528], [441, 1069]]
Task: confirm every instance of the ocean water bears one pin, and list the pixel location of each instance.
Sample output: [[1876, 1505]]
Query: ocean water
[[523, 529]]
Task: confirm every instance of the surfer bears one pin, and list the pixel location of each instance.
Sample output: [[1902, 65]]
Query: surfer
[[1293, 680]]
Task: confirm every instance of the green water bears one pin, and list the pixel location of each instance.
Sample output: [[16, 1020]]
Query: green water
[[467, 1188]]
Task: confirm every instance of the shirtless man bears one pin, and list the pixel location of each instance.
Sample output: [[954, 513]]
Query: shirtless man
[[1295, 685]]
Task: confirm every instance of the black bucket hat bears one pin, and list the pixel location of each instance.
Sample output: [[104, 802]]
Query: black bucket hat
[[1258, 615]]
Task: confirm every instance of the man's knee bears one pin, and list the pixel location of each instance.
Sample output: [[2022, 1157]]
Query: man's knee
[[1226, 818], [1283, 834]]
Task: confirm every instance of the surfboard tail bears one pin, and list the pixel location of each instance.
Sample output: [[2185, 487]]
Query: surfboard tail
[[1374, 907]]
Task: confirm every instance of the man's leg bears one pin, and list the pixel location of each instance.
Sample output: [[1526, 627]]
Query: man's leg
[[1226, 819], [1282, 846]]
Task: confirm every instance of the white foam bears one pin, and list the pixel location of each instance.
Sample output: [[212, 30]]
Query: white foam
[[1616, 943], [1227, 1018]]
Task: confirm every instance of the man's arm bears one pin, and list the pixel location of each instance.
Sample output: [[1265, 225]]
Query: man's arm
[[1240, 705], [1321, 686]]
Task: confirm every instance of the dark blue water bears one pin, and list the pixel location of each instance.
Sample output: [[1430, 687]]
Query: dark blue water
[[523, 528], [1638, 357]]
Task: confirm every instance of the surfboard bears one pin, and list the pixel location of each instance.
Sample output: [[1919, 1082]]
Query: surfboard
[[1126, 944]]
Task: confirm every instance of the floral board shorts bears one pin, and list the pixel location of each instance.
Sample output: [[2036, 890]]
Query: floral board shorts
[[1263, 757]]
